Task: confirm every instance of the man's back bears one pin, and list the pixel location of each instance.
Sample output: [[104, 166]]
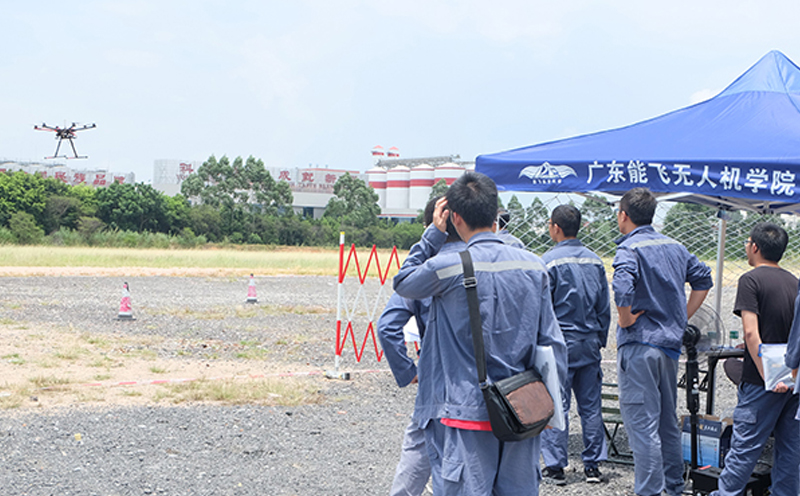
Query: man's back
[[579, 289], [650, 273], [516, 312]]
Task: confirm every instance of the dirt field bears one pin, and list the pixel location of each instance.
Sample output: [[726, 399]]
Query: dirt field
[[202, 394]]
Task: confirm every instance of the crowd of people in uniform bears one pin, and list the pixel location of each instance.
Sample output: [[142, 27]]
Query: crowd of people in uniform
[[562, 300]]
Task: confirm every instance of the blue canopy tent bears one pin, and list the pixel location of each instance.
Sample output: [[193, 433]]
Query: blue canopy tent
[[738, 150]]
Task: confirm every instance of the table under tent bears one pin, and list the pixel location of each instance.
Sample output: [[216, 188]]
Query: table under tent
[[737, 153]]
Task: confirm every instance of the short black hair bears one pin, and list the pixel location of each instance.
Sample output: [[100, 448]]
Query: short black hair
[[427, 219], [503, 218], [771, 240], [568, 218], [473, 196], [640, 206]]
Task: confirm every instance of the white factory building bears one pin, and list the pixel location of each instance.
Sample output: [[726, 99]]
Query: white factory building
[[97, 178]]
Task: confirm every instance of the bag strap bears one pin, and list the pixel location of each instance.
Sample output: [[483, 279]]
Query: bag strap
[[471, 285]]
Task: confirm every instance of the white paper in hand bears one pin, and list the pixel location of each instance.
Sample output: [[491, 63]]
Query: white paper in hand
[[775, 369], [545, 362]]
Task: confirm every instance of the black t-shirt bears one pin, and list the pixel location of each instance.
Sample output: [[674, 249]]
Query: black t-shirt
[[769, 292]]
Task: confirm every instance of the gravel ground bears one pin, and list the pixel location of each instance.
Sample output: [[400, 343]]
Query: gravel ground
[[346, 445]]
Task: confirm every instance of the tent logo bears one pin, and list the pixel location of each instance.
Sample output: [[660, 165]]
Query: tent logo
[[547, 173]]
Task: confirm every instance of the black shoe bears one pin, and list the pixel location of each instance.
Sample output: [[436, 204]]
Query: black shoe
[[593, 476], [554, 475]]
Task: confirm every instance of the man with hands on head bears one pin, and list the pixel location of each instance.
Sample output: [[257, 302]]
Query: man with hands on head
[[517, 315], [414, 468]]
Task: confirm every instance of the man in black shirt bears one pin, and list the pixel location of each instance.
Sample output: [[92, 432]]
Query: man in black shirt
[[765, 302]]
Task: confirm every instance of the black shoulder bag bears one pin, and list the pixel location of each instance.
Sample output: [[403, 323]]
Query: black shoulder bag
[[519, 406]]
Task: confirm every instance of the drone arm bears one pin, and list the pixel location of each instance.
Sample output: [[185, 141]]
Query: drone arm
[[696, 299], [752, 338]]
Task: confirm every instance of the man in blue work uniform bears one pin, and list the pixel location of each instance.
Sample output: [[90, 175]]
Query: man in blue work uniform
[[765, 302], [579, 289], [414, 468], [650, 271], [503, 218], [517, 315]]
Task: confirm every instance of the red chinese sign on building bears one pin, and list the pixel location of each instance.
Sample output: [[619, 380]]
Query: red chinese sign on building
[[185, 170], [99, 180]]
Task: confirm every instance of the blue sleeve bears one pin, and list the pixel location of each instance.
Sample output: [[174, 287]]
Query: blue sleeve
[[603, 309], [698, 274], [793, 350], [417, 278], [397, 313], [626, 273]]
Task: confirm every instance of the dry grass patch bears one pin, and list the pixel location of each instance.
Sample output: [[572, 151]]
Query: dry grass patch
[[282, 392]]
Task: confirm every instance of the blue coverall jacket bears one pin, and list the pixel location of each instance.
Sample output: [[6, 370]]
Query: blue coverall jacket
[[650, 271], [397, 313], [578, 283], [516, 311]]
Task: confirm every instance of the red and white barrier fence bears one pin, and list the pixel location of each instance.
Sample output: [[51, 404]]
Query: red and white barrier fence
[[346, 324]]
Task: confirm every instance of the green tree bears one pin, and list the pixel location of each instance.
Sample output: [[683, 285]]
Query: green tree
[[354, 203], [599, 228], [238, 185], [130, 207], [694, 226], [25, 229], [21, 192], [537, 218], [438, 189]]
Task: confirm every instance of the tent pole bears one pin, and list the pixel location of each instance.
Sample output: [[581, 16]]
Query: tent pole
[[723, 224]]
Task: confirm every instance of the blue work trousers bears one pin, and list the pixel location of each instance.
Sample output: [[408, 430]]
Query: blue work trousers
[[648, 390], [586, 383], [476, 463], [414, 468], [758, 414]]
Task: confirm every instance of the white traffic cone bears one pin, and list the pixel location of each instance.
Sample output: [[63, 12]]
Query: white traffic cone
[[125, 311], [251, 291]]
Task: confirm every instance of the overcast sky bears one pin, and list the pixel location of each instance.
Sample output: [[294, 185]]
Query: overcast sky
[[321, 82]]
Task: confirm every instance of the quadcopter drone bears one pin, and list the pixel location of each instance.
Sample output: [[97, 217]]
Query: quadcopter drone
[[65, 133]]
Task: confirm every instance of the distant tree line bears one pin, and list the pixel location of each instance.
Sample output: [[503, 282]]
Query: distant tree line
[[236, 202]]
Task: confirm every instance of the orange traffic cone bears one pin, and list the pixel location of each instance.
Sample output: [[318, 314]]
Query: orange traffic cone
[[251, 291], [125, 312]]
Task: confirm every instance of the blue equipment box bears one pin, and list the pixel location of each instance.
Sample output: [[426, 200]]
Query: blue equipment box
[[713, 439]]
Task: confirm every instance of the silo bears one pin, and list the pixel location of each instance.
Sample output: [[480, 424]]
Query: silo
[[377, 154], [377, 180], [393, 152], [449, 172], [397, 180], [420, 184]]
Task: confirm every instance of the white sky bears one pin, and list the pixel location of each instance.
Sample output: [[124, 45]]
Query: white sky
[[321, 82]]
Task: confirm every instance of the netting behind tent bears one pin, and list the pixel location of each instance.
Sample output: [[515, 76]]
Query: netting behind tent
[[696, 226]]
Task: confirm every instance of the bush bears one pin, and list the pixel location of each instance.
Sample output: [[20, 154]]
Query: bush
[[254, 239], [24, 227], [66, 237], [7, 237]]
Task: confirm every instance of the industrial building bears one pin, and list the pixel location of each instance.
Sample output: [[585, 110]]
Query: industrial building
[[96, 177]]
